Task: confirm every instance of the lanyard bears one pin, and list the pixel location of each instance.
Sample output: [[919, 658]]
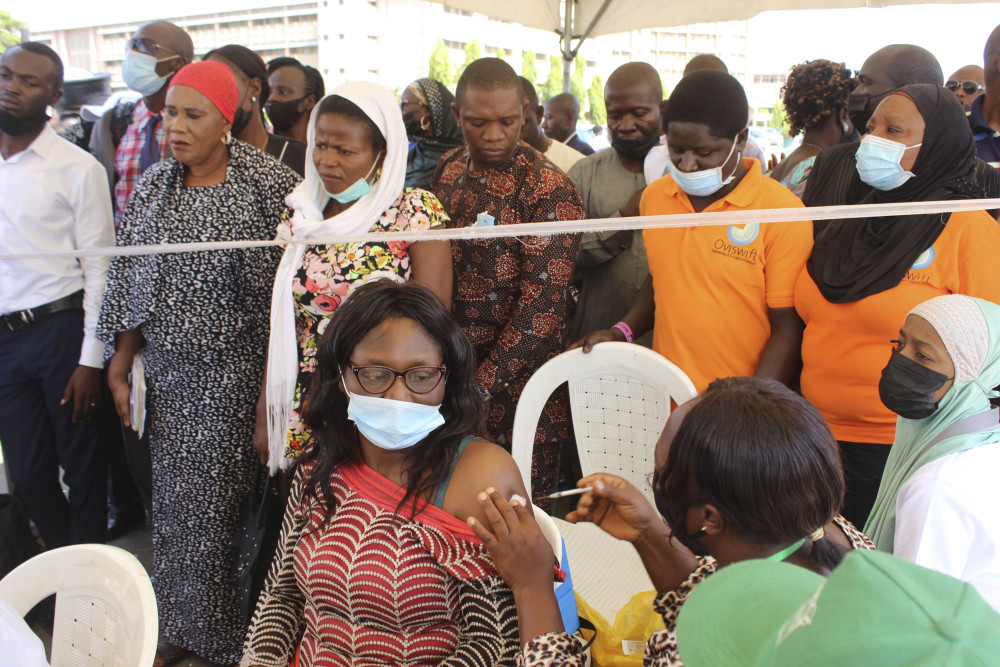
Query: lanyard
[[787, 551]]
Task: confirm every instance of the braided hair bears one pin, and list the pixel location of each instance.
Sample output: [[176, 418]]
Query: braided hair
[[813, 91]]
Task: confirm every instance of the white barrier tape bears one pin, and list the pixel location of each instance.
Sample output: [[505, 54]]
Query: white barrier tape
[[723, 218]]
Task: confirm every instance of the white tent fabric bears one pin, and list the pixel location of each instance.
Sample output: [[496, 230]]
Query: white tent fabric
[[611, 16]]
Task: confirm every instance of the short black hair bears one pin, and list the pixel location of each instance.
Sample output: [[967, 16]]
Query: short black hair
[[56, 77], [636, 75], [530, 94], [709, 97], [705, 61], [314, 80], [343, 106], [249, 62], [488, 74]]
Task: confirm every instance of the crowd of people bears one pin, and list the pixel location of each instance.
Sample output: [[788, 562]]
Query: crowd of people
[[847, 369]]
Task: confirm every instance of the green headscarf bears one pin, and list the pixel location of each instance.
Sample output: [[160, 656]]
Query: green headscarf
[[964, 419]]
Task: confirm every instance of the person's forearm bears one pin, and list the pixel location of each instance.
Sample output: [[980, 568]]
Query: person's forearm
[[668, 564], [537, 613], [641, 316], [781, 356], [129, 342]]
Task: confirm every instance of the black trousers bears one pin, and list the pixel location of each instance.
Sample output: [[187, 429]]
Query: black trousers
[[863, 464], [39, 436]]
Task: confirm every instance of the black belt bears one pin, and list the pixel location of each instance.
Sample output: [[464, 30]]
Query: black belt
[[22, 318]]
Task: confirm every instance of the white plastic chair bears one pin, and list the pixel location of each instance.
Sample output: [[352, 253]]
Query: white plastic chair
[[619, 396], [106, 612]]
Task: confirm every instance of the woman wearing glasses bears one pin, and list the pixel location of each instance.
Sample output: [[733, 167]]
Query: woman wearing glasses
[[376, 564], [353, 185]]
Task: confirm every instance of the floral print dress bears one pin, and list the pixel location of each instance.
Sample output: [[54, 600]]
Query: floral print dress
[[329, 273]]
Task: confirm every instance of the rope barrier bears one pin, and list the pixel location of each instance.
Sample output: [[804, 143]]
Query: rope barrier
[[721, 218]]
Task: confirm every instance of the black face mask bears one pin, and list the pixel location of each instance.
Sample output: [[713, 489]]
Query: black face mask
[[284, 115], [412, 125], [240, 121], [636, 149], [908, 389], [860, 108], [16, 127], [669, 511]]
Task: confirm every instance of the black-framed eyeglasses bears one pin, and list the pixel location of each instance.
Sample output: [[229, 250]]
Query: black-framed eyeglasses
[[419, 379], [968, 87], [147, 45]]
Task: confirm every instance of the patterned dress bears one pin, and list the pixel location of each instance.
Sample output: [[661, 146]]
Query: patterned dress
[[510, 294], [204, 317], [329, 273], [377, 588], [558, 649]]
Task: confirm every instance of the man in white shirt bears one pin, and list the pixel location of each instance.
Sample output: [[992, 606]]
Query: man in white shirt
[[54, 198], [557, 152]]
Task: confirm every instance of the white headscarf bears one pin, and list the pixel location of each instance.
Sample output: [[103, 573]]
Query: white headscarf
[[308, 200]]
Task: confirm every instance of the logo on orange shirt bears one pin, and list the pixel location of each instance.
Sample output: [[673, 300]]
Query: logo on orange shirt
[[738, 237]]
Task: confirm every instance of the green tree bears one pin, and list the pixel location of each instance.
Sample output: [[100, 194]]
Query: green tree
[[595, 95], [441, 66], [501, 54], [528, 69], [576, 84], [10, 31], [553, 84], [473, 52], [778, 118]]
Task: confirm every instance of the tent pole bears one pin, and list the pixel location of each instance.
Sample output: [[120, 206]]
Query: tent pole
[[567, 44]]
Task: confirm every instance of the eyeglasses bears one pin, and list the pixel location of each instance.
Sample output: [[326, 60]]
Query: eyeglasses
[[968, 87], [419, 379], [146, 45]]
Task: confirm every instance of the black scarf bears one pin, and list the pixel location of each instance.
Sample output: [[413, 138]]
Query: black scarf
[[439, 100], [855, 258]]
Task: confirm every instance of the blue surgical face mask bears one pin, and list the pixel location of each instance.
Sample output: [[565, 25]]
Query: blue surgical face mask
[[392, 424], [705, 182], [357, 189], [139, 73], [878, 162]]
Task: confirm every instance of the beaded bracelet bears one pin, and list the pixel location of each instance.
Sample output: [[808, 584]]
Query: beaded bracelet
[[626, 331]]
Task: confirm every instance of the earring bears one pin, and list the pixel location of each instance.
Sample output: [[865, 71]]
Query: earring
[[425, 123], [847, 128], [378, 173], [227, 138], [253, 100]]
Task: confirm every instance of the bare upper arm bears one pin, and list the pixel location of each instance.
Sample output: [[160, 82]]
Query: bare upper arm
[[483, 464]]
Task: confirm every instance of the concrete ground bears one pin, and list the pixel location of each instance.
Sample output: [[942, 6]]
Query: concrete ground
[[137, 542]]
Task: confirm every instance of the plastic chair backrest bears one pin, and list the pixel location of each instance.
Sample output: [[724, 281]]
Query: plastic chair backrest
[[106, 612], [619, 396]]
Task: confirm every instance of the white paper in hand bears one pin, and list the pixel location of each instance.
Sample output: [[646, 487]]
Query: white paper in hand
[[137, 394]]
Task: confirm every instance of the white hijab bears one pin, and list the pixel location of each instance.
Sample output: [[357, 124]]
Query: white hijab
[[308, 200]]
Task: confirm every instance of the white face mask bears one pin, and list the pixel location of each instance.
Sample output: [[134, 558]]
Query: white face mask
[[392, 424], [879, 162], [705, 182]]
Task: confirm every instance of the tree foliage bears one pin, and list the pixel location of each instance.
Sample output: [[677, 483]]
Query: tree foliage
[[528, 69], [576, 84], [473, 52], [778, 118], [595, 95], [10, 31], [553, 84], [501, 54], [441, 66]]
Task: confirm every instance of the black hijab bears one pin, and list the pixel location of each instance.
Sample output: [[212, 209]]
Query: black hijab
[[439, 100], [855, 258]]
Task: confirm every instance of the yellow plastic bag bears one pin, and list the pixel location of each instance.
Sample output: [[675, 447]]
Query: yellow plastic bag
[[623, 644]]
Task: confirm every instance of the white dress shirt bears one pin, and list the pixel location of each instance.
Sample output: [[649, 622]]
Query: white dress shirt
[[55, 198], [947, 518]]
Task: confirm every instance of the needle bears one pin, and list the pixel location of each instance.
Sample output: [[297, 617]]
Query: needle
[[571, 492]]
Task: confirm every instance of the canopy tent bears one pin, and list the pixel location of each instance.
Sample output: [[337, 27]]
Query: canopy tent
[[576, 20]]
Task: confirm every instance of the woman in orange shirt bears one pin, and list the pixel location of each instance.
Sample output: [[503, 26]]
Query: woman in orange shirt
[[864, 275]]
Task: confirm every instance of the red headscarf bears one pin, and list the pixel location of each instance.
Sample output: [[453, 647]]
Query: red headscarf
[[213, 80]]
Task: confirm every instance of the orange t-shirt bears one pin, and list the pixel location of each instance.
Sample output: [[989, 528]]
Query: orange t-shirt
[[713, 286], [846, 345]]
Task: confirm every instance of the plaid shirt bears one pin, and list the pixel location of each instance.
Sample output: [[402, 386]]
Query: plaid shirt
[[127, 156]]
